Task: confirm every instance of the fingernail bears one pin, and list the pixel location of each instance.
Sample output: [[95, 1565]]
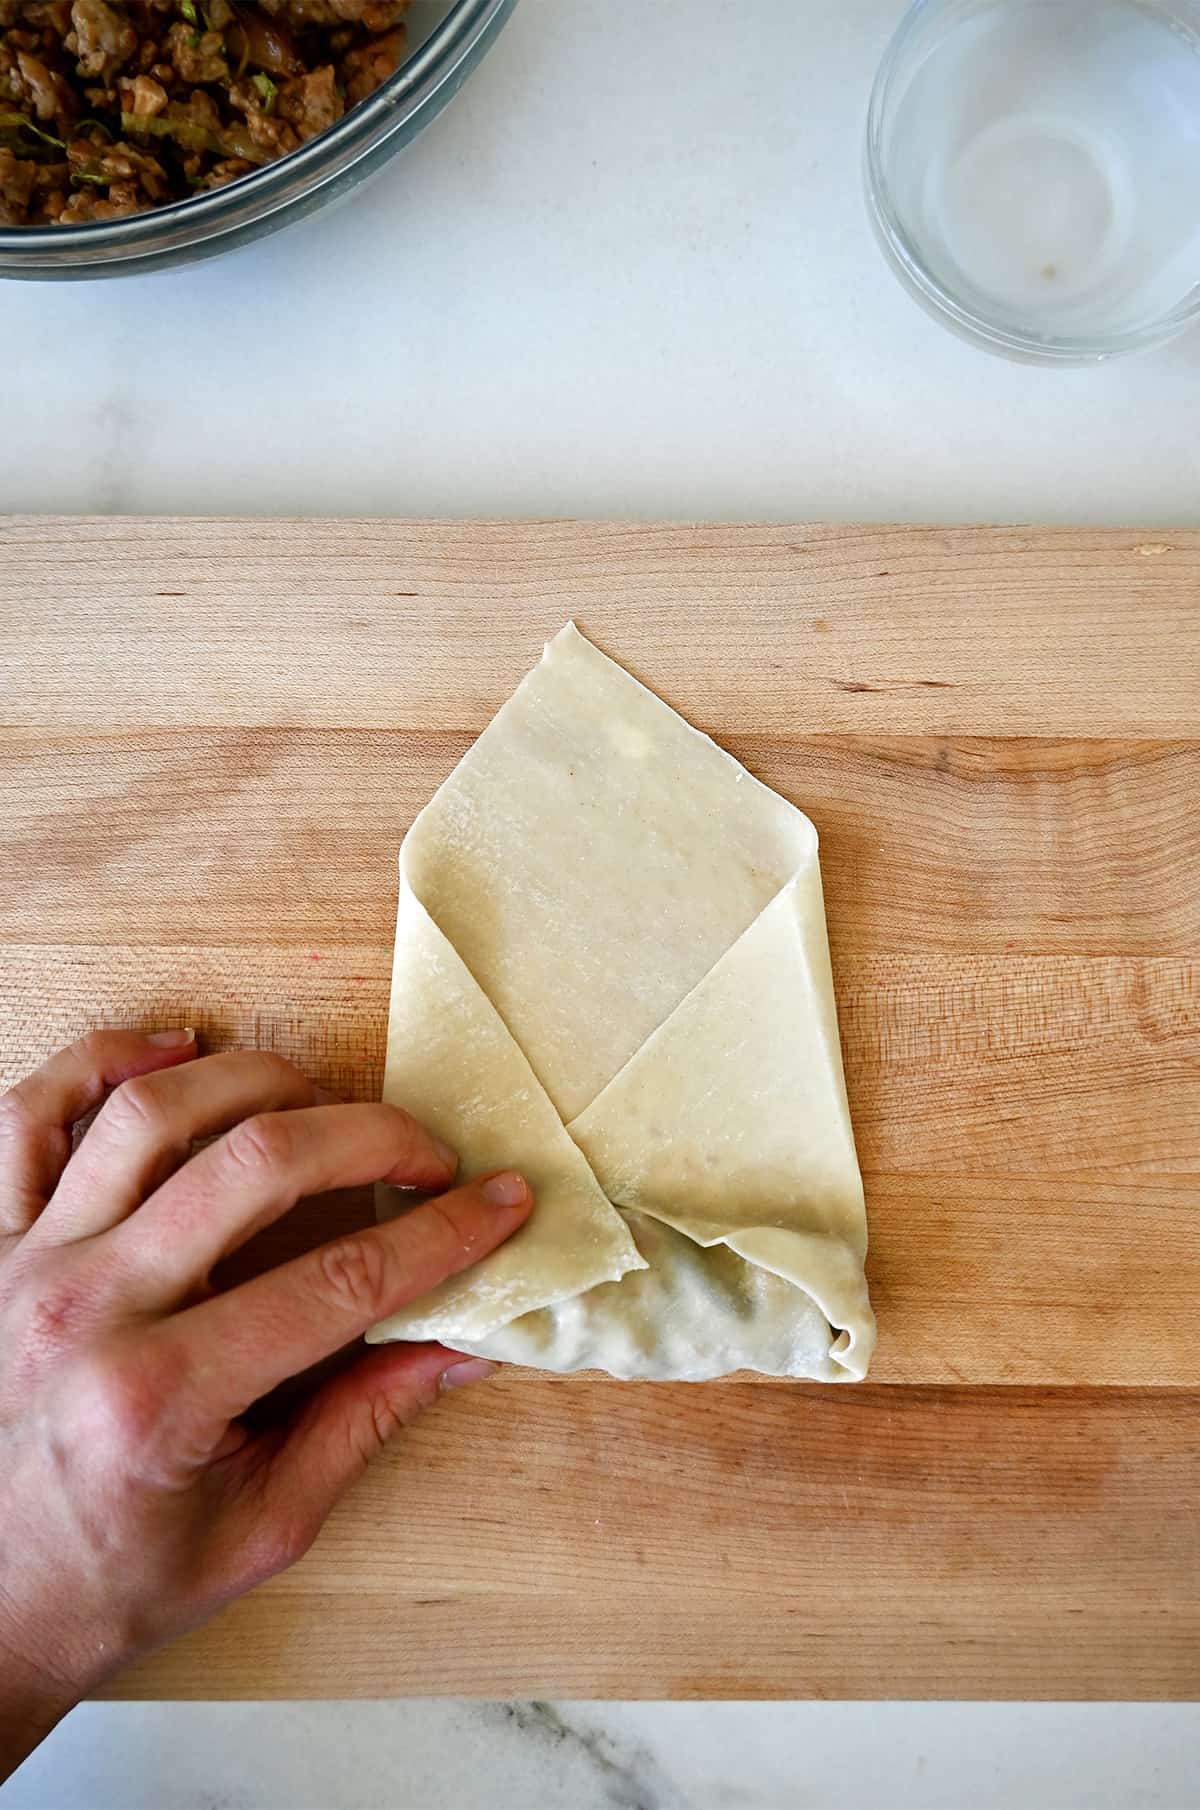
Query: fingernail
[[171, 1040], [445, 1155], [473, 1370], [506, 1190], [323, 1097]]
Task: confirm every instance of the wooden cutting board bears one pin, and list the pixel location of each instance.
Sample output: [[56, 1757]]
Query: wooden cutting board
[[215, 734]]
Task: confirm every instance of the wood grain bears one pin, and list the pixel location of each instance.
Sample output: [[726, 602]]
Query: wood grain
[[215, 735], [927, 843], [368, 624], [578, 1539]]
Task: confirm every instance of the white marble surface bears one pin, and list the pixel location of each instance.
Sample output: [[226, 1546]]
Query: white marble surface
[[628, 273], [597, 1756]]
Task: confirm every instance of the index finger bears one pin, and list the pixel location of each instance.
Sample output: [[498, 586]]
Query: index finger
[[245, 1343], [37, 1114], [254, 1175]]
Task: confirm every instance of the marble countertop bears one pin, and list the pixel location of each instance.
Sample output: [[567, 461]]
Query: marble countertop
[[616, 1756], [628, 274]]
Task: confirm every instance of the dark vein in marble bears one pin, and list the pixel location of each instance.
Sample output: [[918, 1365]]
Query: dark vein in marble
[[630, 1777]]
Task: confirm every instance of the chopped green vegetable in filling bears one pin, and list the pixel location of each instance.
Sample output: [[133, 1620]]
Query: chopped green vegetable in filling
[[20, 122], [267, 90]]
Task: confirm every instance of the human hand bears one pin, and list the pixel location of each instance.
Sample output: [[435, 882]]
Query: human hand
[[133, 1500]]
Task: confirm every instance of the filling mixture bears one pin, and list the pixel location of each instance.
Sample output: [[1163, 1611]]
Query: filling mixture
[[110, 108]]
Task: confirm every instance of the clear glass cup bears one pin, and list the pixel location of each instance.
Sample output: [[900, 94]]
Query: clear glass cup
[[1033, 171], [449, 39]]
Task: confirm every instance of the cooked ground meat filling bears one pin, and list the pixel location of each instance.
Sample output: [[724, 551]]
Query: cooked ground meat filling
[[108, 107]]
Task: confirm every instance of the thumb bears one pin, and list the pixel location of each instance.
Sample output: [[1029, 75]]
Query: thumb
[[342, 1427]]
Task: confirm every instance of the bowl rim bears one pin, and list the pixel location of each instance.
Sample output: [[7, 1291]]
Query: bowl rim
[[196, 220], [908, 263]]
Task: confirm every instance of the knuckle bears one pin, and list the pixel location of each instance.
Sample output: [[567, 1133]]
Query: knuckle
[[122, 1402], [367, 1432], [293, 1539], [25, 1133], [278, 1544], [51, 1314], [17, 1122], [14, 1112], [135, 1109], [462, 1232], [354, 1276], [383, 1416], [281, 1066], [387, 1417], [407, 1131], [268, 1065], [391, 1412], [412, 1404], [261, 1144], [92, 1052]]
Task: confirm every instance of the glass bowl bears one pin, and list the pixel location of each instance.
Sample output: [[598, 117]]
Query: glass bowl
[[1033, 171], [295, 185]]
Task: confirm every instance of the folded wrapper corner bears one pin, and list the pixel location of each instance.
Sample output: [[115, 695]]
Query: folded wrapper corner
[[612, 973]]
